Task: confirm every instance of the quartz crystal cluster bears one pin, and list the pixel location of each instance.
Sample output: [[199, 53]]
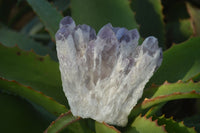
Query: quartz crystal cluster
[[103, 75]]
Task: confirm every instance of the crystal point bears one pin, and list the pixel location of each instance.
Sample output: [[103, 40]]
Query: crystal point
[[67, 22]]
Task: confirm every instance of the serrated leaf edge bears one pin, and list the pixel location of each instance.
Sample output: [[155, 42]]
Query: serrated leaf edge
[[172, 119], [155, 121], [35, 91], [142, 105], [154, 86], [31, 51], [112, 127], [61, 116], [146, 100]]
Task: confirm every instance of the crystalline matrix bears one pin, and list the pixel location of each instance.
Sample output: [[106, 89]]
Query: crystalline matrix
[[103, 75]]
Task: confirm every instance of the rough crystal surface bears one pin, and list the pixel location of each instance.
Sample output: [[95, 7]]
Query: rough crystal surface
[[104, 75]]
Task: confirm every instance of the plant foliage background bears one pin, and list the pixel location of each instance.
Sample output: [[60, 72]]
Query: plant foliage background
[[31, 95]]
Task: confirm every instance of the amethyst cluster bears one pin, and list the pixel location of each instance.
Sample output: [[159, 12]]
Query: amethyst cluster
[[103, 75]]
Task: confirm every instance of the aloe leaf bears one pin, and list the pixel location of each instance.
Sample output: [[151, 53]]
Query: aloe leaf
[[32, 27], [173, 126], [48, 15], [167, 92], [18, 116], [62, 5], [195, 18], [174, 10], [179, 31], [175, 88], [97, 13], [152, 111], [11, 38], [178, 25], [193, 121], [196, 77], [63, 121], [145, 125], [32, 95], [105, 128], [151, 20], [180, 62], [29, 69]]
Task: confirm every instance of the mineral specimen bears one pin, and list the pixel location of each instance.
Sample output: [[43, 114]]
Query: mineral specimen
[[103, 75]]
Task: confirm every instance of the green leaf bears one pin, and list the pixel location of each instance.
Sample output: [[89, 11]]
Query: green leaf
[[62, 5], [176, 88], [196, 78], [11, 38], [174, 10], [32, 95], [27, 68], [48, 15], [172, 126], [151, 19], [155, 109], [179, 31], [97, 13], [193, 121], [178, 24], [105, 128], [18, 116], [195, 18], [167, 92], [63, 121], [32, 27], [180, 62], [144, 125]]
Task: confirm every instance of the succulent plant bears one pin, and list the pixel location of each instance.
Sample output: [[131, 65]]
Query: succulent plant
[[113, 77]]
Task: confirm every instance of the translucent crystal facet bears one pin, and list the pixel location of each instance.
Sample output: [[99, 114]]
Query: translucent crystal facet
[[104, 75]]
